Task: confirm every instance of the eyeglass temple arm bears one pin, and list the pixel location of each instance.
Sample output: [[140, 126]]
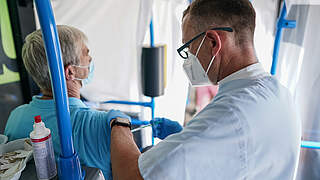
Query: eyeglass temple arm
[[197, 36]]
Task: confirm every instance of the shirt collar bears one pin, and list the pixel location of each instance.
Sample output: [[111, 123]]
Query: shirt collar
[[49, 103], [250, 72]]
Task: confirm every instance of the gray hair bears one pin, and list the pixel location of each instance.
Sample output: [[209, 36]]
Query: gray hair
[[34, 56]]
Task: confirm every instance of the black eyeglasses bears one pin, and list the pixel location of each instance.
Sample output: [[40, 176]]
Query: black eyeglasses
[[184, 54]]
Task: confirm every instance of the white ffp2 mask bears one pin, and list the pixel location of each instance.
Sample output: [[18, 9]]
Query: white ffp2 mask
[[194, 70]]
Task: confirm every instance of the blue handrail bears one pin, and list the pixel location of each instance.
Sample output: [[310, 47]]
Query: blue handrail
[[152, 98], [145, 104], [138, 122], [151, 34], [310, 144], [69, 164], [282, 23], [149, 104]]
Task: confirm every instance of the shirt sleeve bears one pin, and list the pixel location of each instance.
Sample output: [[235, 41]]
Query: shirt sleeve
[[154, 164], [92, 139]]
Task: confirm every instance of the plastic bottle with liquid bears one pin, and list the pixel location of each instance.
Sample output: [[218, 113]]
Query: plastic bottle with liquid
[[43, 152]]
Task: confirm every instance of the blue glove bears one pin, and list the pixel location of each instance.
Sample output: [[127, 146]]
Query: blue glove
[[112, 114], [162, 127]]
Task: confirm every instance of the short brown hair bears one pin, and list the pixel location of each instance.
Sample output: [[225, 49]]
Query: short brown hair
[[238, 14]]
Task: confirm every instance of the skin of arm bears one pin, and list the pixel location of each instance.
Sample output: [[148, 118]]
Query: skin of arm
[[124, 155]]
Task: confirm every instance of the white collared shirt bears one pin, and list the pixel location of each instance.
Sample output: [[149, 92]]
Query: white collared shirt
[[253, 71]]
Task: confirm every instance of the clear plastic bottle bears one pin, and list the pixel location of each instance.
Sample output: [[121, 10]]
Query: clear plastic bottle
[[43, 152]]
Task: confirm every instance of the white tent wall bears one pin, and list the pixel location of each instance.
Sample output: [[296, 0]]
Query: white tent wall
[[115, 30], [266, 16], [299, 71], [289, 3], [167, 18]]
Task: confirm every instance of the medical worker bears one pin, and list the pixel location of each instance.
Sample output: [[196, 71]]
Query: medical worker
[[249, 130], [91, 135]]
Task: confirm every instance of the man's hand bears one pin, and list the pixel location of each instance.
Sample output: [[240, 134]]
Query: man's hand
[[162, 127]]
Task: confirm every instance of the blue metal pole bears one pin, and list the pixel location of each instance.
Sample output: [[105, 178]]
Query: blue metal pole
[[282, 23], [138, 122], [152, 115], [278, 40], [310, 144], [151, 34], [150, 104], [152, 98], [69, 164], [152, 107], [145, 104]]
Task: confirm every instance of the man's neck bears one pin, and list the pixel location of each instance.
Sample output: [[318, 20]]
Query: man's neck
[[236, 62], [46, 95], [73, 88], [73, 91]]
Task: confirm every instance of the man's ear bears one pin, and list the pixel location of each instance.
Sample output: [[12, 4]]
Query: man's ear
[[215, 41], [69, 72]]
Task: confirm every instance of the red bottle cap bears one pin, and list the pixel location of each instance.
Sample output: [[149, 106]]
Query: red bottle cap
[[37, 119]]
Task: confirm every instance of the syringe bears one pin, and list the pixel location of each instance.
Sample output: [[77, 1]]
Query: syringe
[[139, 128]]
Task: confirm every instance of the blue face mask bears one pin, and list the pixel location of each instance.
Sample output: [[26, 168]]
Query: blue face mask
[[87, 80]]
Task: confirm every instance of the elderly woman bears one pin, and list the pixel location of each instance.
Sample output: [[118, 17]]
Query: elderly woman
[[89, 127]]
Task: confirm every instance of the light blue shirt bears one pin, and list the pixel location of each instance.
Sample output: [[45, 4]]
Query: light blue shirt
[[89, 130], [249, 131]]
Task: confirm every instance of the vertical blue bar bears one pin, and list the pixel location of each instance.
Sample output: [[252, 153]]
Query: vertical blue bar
[[152, 45], [278, 39], [152, 107], [151, 34], [69, 164], [56, 66]]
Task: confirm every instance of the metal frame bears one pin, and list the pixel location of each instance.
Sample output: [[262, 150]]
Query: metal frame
[[69, 163], [150, 104], [310, 144], [282, 23]]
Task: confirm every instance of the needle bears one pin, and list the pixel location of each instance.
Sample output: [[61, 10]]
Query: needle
[[139, 128]]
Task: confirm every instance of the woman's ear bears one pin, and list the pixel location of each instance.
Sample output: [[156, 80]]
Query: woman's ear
[[69, 72], [215, 41]]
